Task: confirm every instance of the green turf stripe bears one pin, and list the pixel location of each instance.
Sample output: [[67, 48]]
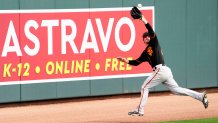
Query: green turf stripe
[[209, 120]]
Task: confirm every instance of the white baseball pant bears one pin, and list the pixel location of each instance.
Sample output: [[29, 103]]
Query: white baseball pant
[[162, 74]]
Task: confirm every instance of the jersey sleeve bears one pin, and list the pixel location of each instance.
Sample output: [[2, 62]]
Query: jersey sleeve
[[139, 60], [150, 30]]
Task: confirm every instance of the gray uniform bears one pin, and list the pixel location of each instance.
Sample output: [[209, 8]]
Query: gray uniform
[[161, 73]]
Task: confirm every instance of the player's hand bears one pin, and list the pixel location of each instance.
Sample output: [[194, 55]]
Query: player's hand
[[122, 59]]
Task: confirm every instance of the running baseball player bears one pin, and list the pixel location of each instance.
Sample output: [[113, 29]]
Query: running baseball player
[[161, 73]]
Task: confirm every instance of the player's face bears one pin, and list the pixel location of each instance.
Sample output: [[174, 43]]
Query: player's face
[[146, 39]]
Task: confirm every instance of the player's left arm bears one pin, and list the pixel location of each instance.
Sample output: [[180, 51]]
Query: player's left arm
[[149, 28]]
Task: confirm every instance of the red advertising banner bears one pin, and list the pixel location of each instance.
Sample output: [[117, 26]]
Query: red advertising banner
[[70, 44]]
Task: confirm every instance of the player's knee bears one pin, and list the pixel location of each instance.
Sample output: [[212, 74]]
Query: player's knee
[[144, 89]]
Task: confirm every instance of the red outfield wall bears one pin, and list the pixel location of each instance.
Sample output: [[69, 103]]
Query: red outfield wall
[[70, 44]]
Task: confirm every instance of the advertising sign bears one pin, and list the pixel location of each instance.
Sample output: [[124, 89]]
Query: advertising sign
[[70, 44]]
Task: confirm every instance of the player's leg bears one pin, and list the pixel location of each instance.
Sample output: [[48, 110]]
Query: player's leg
[[150, 82], [174, 87]]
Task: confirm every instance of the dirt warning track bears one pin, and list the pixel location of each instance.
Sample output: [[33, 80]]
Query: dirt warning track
[[112, 109]]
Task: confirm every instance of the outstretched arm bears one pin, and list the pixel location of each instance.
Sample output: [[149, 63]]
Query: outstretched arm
[[131, 62], [123, 59], [148, 26], [144, 20], [137, 14], [135, 62]]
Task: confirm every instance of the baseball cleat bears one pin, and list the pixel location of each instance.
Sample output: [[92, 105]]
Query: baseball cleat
[[134, 113], [205, 100]]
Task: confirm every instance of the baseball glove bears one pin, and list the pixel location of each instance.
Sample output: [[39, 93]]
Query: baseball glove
[[135, 13]]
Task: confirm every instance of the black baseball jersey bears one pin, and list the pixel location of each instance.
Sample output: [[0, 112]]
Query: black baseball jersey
[[152, 53]]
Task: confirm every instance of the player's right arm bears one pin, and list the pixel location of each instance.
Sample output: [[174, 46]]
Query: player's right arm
[[135, 62]]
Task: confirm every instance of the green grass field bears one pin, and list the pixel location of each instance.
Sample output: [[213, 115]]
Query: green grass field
[[209, 120]]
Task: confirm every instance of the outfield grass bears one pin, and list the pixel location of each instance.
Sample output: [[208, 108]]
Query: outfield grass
[[209, 120]]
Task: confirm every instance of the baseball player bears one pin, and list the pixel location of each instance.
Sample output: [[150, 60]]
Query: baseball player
[[161, 73]]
